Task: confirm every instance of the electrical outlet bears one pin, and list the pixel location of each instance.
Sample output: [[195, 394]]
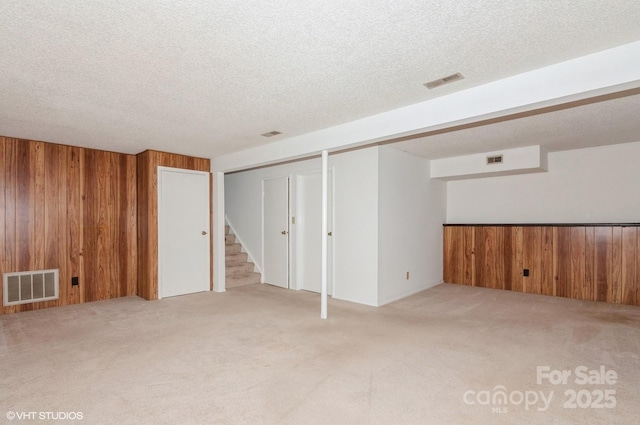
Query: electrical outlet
[[525, 272], [75, 281]]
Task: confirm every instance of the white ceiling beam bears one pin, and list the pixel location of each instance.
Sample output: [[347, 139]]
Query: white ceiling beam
[[606, 72]]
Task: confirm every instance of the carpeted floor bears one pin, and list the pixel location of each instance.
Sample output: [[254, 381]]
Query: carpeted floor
[[260, 355]]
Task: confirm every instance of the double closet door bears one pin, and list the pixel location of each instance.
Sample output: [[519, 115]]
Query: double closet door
[[292, 231]]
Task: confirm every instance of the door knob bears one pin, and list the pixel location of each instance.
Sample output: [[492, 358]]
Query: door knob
[[284, 232], [204, 233], [330, 234]]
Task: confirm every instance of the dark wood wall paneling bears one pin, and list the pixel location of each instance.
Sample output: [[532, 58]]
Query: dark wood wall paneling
[[73, 209], [148, 162], [89, 213], [586, 262]]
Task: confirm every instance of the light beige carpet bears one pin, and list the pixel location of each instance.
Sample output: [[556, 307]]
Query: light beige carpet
[[261, 355]]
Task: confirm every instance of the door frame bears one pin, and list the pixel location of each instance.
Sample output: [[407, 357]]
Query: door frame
[[159, 170]]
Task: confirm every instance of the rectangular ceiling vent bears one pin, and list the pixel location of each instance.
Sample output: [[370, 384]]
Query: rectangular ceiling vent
[[30, 287], [442, 81], [271, 133], [495, 159]]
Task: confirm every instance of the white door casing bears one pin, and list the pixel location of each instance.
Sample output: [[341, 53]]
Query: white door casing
[[275, 231], [183, 232]]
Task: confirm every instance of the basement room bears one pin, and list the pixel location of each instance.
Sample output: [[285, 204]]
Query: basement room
[[320, 212]]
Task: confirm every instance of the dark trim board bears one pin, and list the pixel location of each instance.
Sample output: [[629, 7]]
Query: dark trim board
[[544, 224]]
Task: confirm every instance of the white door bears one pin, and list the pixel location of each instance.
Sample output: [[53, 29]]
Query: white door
[[183, 232], [275, 231], [309, 232]]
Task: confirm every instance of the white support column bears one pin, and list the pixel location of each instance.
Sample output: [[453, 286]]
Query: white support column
[[325, 253], [218, 233]]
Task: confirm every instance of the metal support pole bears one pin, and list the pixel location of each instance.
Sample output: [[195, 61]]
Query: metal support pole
[[325, 253]]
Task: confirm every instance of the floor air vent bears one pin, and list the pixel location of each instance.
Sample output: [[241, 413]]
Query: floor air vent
[[30, 287]]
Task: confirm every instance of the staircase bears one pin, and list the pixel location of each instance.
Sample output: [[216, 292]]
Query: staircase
[[239, 271]]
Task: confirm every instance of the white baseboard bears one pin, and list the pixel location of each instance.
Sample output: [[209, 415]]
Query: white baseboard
[[407, 293]]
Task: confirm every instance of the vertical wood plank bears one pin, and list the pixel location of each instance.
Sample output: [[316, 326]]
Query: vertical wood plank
[[11, 189], [507, 256], [494, 263], [589, 288], [11, 197], [469, 260], [53, 183], [479, 250], [132, 226], [615, 266], [453, 254], [532, 259], [90, 221], [39, 206], [104, 252], [447, 254], [577, 287], [73, 228], [629, 271], [517, 258], [112, 220], [143, 179], [25, 200], [122, 225], [562, 261], [603, 252], [547, 280]]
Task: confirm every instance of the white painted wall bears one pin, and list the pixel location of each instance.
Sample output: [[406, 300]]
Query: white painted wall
[[356, 216], [586, 185], [514, 161], [412, 209], [355, 228], [243, 202]]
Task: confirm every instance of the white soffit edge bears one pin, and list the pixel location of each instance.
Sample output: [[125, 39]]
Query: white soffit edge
[[606, 72], [530, 159]]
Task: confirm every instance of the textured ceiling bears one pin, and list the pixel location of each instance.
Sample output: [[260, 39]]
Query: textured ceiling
[[206, 78], [608, 122]]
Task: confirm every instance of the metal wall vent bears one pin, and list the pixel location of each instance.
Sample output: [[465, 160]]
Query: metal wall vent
[[30, 287], [495, 159], [441, 81]]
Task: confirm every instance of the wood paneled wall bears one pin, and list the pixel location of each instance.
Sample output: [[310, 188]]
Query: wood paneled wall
[[586, 262], [148, 162], [69, 208]]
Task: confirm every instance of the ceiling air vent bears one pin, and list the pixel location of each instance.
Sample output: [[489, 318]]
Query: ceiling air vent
[[271, 133], [494, 159], [441, 81]]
